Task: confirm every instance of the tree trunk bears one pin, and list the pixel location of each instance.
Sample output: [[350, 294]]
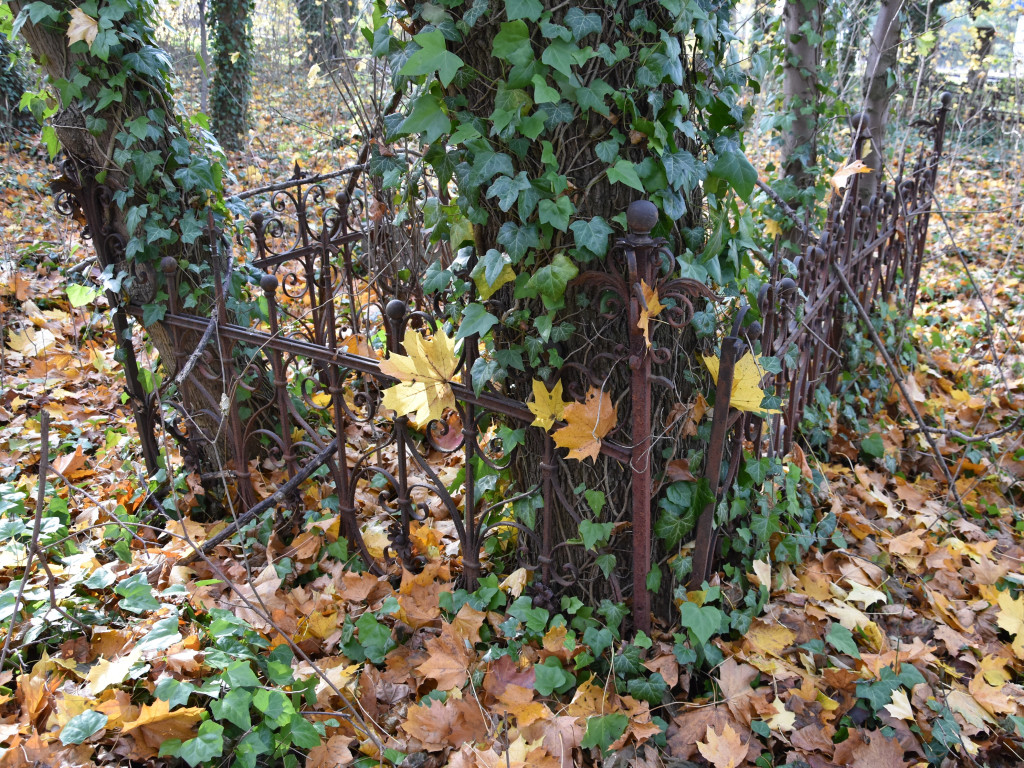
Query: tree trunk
[[141, 173], [326, 24], [879, 85], [802, 23], [595, 352], [232, 77]]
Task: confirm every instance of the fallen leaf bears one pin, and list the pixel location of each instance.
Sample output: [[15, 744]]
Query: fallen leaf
[[724, 750], [842, 177], [547, 407], [586, 425], [652, 308], [82, 27], [747, 394], [425, 375]]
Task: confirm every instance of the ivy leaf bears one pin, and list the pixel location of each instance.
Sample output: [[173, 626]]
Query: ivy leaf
[[549, 281], [523, 9], [425, 373], [475, 320], [542, 92], [582, 24], [82, 27], [561, 56], [556, 212], [702, 621], [732, 166], [592, 235], [649, 689], [550, 677], [206, 746], [433, 55], [507, 189], [492, 271], [427, 118], [234, 708], [602, 731], [512, 43], [80, 295], [136, 594], [624, 172], [595, 533], [82, 726], [518, 239], [683, 171]]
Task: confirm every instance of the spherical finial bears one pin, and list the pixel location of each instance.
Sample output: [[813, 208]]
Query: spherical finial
[[257, 219], [641, 217], [168, 264], [341, 199], [396, 309], [946, 98], [268, 283]]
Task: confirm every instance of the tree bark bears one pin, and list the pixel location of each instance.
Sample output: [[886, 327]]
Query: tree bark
[[802, 23], [879, 85]]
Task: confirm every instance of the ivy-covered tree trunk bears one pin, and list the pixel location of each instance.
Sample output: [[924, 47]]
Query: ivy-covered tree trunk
[[12, 86], [879, 85], [558, 117], [232, 73], [116, 121]]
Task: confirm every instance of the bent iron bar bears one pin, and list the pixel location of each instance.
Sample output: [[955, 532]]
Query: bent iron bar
[[328, 284]]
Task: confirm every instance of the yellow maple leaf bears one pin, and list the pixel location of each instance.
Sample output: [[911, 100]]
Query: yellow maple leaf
[[652, 308], [547, 407], [842, 177], [1011, 618], [723, 751], [82, 27], [772, 228], [746, 384], [425, 374], [586, 424]]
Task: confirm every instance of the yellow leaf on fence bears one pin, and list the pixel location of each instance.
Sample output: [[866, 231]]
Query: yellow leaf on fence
[[842, 177], [425, 375], [586, 424], [652, 308], [547, 407], [746, 384]]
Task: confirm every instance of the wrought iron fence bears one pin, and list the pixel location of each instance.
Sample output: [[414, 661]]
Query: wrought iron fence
[[293, 376]]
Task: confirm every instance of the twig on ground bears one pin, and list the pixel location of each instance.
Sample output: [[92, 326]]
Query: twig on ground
[[278, 496]]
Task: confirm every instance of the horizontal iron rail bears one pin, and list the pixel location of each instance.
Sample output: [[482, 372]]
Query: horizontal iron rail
[[488, 401], [300, 180]]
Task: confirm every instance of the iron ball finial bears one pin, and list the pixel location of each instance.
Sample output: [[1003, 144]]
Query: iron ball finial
[[268, 283], [396, 309], [641, 217], [168, 264], [946, 98]]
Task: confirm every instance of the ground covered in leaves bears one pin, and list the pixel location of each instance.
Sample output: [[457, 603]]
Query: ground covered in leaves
[[902, 644]]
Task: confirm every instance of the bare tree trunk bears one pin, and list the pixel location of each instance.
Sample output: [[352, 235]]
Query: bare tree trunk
[[879, 85], [801, 18]]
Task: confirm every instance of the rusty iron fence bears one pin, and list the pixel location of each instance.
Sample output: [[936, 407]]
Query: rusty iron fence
[[291, 377]]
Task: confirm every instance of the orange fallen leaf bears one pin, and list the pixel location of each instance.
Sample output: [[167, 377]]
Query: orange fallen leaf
[[586, 425]]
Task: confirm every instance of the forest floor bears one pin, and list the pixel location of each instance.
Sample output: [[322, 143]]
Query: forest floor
[[904, 647]]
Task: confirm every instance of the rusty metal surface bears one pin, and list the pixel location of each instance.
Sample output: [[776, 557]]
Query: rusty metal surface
[[331, 277]]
